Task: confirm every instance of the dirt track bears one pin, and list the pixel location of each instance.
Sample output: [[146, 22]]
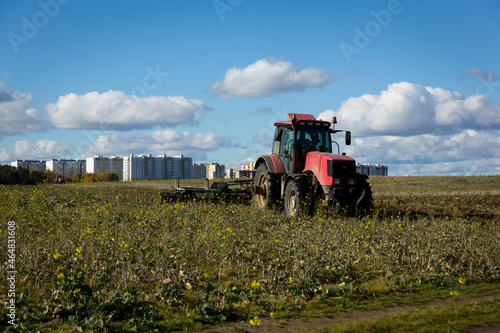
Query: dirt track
[[304, 324]]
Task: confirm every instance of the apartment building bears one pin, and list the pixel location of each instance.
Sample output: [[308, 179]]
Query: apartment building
[[199, 171], [147, 167], [215, 170], [67, 168], [240, 173], [372, 169], [100, 164], [29, 164]]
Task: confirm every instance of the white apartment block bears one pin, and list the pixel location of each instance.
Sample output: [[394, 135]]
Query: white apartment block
[[97, 164], [240, 174], [246, 171], [67, 168], [147, 167], [372, 169], [133, 168], [215, 170], [209, 171], [100, 164], [130, 167], [29, 164]]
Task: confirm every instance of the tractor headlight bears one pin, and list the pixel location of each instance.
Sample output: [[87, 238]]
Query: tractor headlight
[[336, 181], [352, 182]]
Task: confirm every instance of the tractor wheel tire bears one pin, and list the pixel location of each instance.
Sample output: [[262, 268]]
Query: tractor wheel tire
[[363, 204], [297, 201], [267, 188]]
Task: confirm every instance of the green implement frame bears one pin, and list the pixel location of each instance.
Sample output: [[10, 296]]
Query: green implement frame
[[239, 190]]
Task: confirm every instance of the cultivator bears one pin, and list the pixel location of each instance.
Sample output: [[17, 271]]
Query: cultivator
[[227, 191]]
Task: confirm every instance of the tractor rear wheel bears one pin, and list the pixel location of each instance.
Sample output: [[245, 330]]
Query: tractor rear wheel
[[297, 198], [266, 188]]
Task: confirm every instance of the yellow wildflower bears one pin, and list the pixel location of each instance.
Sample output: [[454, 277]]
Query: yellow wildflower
[[255, 321], [255, 284]]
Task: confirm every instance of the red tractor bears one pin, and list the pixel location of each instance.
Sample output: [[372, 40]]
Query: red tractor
[[59, 180], [302, 170]]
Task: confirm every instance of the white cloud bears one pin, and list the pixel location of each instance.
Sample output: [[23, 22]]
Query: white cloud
[[16, 116], [422, 154], [487, 166], [24, 150], [161, 142], [267, 77], [406, 109], [114, 110]]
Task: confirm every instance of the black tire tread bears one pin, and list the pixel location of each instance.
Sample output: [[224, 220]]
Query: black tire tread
[[303, 194], [272, 195], [367, 201]]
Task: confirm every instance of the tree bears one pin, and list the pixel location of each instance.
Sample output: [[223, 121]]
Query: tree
[[77, 177], [21, 176], [110, 177], [36, 176], [50, 176]]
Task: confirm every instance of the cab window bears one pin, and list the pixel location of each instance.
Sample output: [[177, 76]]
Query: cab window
[[286, 141], [311, 137]]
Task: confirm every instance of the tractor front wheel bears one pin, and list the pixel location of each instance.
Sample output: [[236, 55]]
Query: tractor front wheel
[[364, 197], [296, 198]]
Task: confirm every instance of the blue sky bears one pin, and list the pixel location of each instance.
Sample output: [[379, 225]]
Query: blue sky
[[415, 81]]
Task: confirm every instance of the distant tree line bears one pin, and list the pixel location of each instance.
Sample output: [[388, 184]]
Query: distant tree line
[[96, 177], [10, 175], [20, 176]]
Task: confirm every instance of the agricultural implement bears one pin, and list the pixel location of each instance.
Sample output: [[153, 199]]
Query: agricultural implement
[[230, 191], [300, 172]]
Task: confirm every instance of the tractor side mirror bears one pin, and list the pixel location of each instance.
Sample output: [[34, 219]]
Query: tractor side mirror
[[348, 138]]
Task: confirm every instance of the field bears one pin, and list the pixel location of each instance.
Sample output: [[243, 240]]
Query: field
[[112, 257]]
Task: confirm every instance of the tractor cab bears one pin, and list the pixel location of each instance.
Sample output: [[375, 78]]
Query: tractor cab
[[311, 136]]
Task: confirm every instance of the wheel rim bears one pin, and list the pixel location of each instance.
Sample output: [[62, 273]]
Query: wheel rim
[[292, 202], [262, 183]]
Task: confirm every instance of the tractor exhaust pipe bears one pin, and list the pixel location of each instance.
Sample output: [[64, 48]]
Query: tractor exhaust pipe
[[295, 148]]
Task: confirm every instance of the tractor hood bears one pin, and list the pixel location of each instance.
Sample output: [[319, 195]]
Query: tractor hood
[[327, 167]]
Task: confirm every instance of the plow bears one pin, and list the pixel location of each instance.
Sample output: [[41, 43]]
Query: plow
[[239, 190], [302, 170]]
